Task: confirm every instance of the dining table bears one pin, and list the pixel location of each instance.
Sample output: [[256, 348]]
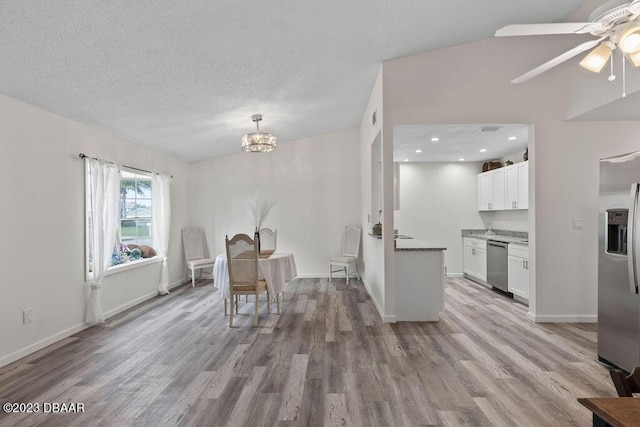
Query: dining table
[[276, 269], [613, 411]]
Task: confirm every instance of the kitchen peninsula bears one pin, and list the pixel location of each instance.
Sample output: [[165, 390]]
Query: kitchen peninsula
[[419, 280]]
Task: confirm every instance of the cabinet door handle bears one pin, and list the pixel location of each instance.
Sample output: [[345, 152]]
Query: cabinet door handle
[[524, 267], [489, 205]]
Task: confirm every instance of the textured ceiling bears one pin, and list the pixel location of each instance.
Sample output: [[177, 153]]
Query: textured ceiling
[[185, 77]]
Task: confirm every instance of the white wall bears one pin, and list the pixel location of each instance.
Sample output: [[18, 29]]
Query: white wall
[[470, 84], [437, 200], [374, 250], [42, 212], [314, 182]]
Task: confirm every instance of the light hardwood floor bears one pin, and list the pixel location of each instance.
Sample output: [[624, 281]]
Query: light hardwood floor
[[326, 360]]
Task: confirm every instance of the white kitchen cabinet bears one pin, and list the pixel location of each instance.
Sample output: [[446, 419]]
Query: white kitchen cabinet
[[517, 186], [518, 270], [475, 258], [491, 190]]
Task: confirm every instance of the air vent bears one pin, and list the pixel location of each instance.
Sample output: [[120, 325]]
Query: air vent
[[490, 128]]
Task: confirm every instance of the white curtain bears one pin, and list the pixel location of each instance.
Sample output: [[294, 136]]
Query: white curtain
[[104, 202], [161, 224]]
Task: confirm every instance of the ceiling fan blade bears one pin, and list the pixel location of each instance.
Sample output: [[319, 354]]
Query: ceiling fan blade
[[542, 29], [634, 9], [558, 60]]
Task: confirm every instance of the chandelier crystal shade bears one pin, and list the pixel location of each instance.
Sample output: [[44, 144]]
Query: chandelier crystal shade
[[258, 142]]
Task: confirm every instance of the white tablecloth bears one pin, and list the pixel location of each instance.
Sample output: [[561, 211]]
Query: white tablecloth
[[276, 270]]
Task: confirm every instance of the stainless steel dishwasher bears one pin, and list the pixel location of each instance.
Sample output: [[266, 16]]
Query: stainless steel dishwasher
[[497, 265]]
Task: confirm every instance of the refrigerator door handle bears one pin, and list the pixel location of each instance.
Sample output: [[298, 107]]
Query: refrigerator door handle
[[631, 239]]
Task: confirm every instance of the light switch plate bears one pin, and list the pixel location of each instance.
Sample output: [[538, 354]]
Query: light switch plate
[[27, 315], [578, 223]]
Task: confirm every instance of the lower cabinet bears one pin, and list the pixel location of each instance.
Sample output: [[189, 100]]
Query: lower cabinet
[[475, 258], [518, 270]]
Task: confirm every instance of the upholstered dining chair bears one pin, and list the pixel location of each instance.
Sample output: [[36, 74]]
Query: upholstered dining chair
[[193, 241], [268, 239], [242, 264], [349, 257]]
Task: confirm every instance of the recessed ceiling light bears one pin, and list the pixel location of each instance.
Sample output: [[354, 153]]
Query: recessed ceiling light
[[418, 151], [461, 160], [484, 150], [405, 160], [512, 138], [435, 139]]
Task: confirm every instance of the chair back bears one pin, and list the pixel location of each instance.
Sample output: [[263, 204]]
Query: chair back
[[192, 240], [268, 239], [242, 260], [351, 246], [626, 385]]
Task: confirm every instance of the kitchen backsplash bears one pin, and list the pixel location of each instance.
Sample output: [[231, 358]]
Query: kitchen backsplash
[[520, 234]]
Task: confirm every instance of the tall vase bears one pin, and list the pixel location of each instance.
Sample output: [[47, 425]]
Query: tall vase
[[256, 236]]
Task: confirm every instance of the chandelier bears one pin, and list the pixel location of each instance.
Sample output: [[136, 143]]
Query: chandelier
[[258, 142]]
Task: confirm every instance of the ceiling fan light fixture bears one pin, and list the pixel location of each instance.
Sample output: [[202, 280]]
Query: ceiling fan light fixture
[[630, 40], [634, 58], [258, 142], [597, 58]]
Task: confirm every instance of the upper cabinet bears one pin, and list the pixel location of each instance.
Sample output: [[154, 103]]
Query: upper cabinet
[[504, 188], [517, 186], [491, 192]]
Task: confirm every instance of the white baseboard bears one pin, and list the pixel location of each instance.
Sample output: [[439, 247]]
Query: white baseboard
[[385, 318], [139, 300], [39, 345], [455, 275], [562, 318]]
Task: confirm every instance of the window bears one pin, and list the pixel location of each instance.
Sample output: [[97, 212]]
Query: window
[[135, 209], [135, 214]]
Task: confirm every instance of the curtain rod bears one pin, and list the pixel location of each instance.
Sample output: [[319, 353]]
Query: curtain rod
[[83, 156]]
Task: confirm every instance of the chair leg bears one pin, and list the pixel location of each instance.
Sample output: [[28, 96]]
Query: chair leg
[[225, 306], [268, 302], [278, 303], [193, 278], [346, 273], [330, 276], [231, 311], [255, 311], [237, 304]]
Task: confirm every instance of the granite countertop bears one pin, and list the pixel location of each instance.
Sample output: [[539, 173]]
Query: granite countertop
[[505, 236], [402, 242], [397, 236], [414, 245]]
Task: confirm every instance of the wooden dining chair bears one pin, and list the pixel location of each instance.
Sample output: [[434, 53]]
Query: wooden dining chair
[[626, 385], [242, 263]]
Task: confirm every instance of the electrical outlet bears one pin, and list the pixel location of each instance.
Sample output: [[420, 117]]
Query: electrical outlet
[[578, 223], [27, 315]]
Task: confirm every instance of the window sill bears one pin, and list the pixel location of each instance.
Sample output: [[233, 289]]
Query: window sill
[[132, 264]]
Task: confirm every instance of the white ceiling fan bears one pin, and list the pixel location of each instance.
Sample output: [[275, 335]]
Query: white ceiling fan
[[616, 24]]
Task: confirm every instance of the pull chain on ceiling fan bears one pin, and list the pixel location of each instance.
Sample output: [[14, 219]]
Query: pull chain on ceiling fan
[[616, 24]]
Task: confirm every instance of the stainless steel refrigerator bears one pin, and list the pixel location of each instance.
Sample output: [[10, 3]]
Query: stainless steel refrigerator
[[618, 262]]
